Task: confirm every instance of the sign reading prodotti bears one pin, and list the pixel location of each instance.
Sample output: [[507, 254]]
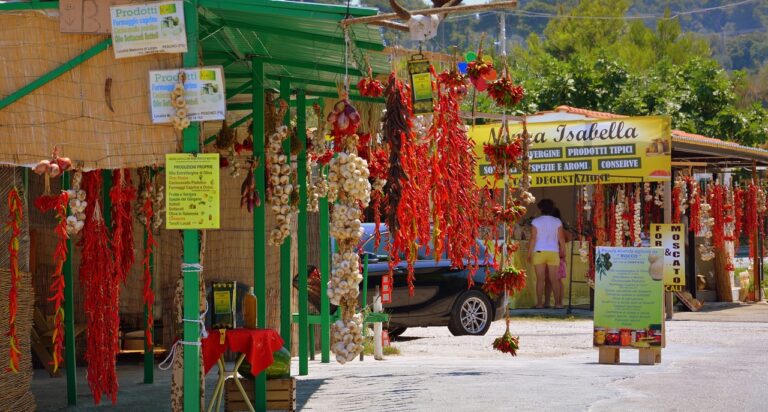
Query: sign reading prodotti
[[192, 191], [584, 152], [141, 29], [203, 94], [628, 297], [671, 237]]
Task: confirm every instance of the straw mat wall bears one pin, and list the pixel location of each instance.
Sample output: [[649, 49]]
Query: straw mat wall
[[71, 111], [15, 394]]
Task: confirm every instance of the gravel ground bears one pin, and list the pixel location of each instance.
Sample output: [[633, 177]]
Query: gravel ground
[[715, 360]]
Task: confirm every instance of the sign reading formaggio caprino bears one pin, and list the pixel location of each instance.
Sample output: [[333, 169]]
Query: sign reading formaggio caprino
[[586, 151], [141, 29], [203, 94]]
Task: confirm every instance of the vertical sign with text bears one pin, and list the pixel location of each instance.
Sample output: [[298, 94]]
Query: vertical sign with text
[[671, 237]]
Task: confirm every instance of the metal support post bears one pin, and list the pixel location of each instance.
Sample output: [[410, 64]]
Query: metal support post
[[69, 316]]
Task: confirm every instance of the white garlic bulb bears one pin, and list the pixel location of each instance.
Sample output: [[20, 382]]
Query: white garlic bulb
[[349, 175], [279, 179], [347, 339], [77, 205]]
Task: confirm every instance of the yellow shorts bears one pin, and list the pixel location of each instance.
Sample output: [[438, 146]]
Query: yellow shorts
[[550, 258]]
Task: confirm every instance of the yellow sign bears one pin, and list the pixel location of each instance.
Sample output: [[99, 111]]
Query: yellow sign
[[671, 237], [582, 152], [192, 194]]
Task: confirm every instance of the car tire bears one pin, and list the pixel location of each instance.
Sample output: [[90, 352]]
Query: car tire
[[395, 332], [471, 315]]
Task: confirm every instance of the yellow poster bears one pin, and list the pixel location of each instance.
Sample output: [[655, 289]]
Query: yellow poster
[[582, 152], [671, 237], [192, 191]]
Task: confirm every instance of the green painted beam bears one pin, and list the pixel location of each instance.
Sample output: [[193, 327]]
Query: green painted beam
[[33, 5], [325, 272], [259, 222], [288, 9], [285, 248], [70, 350], [353, 97], [191, 239], [240, 89], [314, 37], [301, 166], [237, 123], [219, 57], [53, 74], [149, 350], [247, 106]]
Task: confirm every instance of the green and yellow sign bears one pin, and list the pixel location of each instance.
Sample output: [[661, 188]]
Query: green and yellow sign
[[628, 297], [421, 84], [192, 191], [671, 237], [587, 151]]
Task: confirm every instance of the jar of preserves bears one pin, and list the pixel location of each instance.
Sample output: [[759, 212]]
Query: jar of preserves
[[625, 337], [612, 337], [599, 336]]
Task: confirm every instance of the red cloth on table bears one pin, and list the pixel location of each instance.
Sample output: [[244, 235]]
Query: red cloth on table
[[258, 345]]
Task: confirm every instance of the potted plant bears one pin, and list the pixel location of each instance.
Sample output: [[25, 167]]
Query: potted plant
[[751, 290]]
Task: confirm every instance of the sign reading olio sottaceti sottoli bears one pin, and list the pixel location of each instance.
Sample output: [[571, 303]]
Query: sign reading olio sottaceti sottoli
[[140, 29], [587, 151], [203, 94]]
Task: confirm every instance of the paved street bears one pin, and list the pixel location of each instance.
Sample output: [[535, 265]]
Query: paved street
[[708, 365], [716, 360]]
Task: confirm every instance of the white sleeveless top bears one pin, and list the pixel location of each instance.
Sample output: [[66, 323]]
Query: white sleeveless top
[[546, 233]]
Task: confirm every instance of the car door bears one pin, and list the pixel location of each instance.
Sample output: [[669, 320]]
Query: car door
[[378, 269]]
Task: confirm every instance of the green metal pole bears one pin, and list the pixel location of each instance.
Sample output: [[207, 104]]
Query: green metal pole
[[301, 128], [285, 248], [69, 316], [149, 350], [191, 240], [259, 221], [365, 281], [325, 270]]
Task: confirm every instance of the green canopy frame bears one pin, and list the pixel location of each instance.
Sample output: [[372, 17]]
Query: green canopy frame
[[297, 48]]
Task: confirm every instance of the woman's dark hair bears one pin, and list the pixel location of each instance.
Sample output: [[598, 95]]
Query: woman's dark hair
[[556, 213], [546, 207]]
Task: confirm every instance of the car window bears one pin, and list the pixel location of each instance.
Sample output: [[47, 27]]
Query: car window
[[368, 245]]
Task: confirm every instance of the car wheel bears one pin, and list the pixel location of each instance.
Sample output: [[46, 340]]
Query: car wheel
[[472, 315], [395, 332]]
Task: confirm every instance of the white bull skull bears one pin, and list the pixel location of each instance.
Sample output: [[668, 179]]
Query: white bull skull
[[422, 27]]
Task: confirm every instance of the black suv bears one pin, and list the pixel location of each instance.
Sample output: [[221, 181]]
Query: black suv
[[441, 296]]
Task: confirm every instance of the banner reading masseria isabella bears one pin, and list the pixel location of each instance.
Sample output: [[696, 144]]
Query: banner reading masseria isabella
[[583, 152]]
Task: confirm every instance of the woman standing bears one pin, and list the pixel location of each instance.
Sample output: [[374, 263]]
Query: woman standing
[[545, 249]]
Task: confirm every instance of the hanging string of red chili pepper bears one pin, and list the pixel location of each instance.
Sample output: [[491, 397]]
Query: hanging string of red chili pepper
[[100, 286], [147, 292], [751, 219], [58, 203], [598, 215], [455, 197], [397, 128], [378, 166], [717, 201], [676, 203], [122, 194], [738, 212], [15, 217], [694, 209]]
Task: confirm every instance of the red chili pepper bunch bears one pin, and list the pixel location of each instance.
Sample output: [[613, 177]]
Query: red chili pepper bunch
[[694, 208], [344, 119], [397, 129], [738, 214], [510, 214], [751, 218], [501, 154], [101, 288], [481, 72], [507, 343], [454, 83], [675, 204], [15, 217], [59, 205], [509, 279], [378, 166], [150, 244], [455, 197], [505, 92], [598, 215], [717, 201], [245, 146], [122, 194], [370, 87]]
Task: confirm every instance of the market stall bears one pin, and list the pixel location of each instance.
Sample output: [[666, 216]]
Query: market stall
[[693, 163]]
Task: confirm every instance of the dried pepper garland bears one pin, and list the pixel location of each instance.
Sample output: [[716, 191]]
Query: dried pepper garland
[[370, 87], [694, 209], [455, 197], [507, 343], [397, 125], [505, 93], [751, 217], [148, 294], [738, 214], [122, 194], [59, 205], [101, 286], [15, 217]]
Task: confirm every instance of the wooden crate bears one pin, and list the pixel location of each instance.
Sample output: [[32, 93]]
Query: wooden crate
[[281, 395]]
